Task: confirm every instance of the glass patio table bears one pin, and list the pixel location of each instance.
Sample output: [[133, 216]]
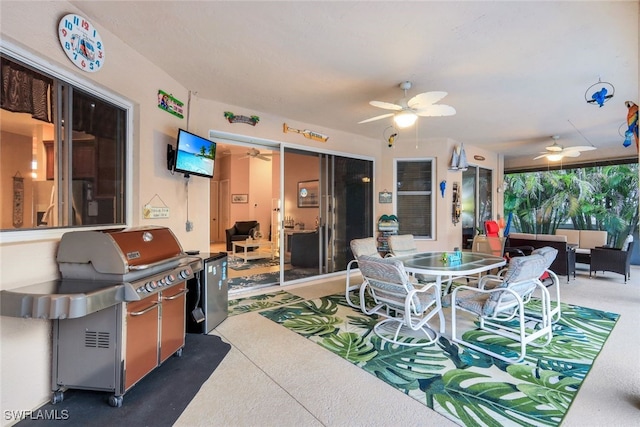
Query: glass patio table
[[432, 264]]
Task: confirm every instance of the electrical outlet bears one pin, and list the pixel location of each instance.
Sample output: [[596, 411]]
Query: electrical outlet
[[189, 225]]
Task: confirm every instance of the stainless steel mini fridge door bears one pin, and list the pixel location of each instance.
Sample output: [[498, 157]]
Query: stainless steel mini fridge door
[[216, 291]]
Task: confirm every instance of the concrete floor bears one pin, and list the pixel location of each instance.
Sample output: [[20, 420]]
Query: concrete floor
[[274, 377]]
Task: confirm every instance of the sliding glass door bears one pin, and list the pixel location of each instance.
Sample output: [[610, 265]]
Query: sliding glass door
[[328, 201], [309, 207], [477, 202]]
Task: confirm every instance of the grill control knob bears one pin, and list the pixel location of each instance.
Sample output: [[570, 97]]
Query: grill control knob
[[148, 287], [184, 274], [141, 289], [161, 282], [170, 279]]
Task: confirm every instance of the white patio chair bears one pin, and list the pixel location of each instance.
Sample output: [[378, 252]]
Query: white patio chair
[[406, 308], [359, 247], [500, 300], [549, 254], [404, 244]]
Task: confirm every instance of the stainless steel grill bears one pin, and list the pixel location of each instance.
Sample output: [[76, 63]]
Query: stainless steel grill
[[118, 310]]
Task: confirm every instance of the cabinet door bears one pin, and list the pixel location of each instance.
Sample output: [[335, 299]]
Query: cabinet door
[[142, 339], [173, 320], [84, 160]]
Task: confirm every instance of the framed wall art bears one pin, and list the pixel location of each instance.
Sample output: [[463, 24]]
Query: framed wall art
[[239, 198], [385, 197], [308, 194]]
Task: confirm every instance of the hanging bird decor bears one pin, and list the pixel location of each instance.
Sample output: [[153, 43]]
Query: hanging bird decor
[[632, 123], [599, 93], [390, 135], [443, 187]]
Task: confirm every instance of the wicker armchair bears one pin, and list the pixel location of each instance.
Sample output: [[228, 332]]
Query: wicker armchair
[[610, 259]]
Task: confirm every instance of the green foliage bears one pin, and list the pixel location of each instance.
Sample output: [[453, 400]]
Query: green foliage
[[594, 198]]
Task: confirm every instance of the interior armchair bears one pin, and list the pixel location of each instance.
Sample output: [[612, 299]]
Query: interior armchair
[[241, 230]]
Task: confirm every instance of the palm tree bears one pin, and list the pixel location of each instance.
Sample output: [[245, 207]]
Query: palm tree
[[595, 198]]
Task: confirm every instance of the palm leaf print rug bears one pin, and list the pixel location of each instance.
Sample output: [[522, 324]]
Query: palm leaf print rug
[[261, 302], [465, 386]]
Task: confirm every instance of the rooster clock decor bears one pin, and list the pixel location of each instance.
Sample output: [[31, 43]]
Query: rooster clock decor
[[81, 43]]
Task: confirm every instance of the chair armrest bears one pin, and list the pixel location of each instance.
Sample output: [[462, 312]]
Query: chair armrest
[[599, 255], [489, 278]]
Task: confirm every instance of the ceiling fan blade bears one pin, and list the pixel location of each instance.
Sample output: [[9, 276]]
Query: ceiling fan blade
[[386, 105], [540, 156], [425, 99], [372, 119], [263, 157], [570, 153], [581, 148], [437, 110]]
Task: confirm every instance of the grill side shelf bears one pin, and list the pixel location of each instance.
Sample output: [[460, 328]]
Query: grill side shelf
[[40, 301]]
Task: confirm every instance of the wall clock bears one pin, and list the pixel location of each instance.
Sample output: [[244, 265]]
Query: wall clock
[[81, 42]]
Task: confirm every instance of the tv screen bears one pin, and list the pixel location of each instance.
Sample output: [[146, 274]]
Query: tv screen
[[194, 155]]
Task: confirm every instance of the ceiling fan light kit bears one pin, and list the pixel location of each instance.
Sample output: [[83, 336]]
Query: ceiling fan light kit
[[407, 111], [556, 152], [405, 118]]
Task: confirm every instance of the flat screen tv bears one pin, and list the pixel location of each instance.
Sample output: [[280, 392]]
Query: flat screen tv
[[194, 155]]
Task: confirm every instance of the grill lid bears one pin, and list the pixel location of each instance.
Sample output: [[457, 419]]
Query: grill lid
[[117, 251]]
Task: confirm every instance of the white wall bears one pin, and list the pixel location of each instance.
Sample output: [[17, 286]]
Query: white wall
[[25, 345]]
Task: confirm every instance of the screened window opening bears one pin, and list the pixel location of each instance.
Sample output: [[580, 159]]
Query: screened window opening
[[414, 199]]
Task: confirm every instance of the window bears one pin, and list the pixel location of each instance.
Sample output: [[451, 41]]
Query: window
[[414, 198], [62, 152]]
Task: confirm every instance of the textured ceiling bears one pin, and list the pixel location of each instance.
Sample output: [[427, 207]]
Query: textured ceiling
[[516, 72]]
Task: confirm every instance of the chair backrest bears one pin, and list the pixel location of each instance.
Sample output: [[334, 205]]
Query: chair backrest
[[590, 239], [548, 253], [628, 241], [630, 250], [402, 244], [366, 246], [573, 236], [492, 228], [492, 245], [388, 281], [521, 277]]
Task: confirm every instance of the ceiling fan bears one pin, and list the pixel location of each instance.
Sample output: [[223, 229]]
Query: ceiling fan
[[556, 151], [407, 111], [255, 153]]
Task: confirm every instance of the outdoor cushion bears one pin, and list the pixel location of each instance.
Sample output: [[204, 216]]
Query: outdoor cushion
[[573, 236]]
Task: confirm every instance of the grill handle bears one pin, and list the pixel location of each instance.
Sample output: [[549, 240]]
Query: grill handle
[[176, 296], [146, 310], [154, 264]]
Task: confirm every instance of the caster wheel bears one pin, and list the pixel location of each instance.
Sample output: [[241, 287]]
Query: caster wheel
[[115, 401], [57, 397], [178, 353]]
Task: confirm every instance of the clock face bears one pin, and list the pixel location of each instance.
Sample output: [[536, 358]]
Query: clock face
[[81, 42]]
